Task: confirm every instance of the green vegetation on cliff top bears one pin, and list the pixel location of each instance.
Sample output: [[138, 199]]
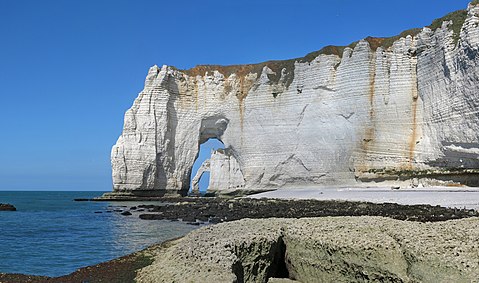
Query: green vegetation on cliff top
[[457, 18]]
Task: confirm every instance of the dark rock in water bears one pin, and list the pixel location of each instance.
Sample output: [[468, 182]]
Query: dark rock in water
[[118, 210], [215, 220], [82, 199], [149, 217], [133, 208], [194, 223], [147, 206], [7, 207], [109, 211], [126, 213], [203, 218], [98, 212], [189, 219]]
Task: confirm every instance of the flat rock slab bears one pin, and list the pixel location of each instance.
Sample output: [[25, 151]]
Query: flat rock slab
[[328, 249]]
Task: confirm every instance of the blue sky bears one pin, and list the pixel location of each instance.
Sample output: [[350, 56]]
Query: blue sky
[[70, 69]]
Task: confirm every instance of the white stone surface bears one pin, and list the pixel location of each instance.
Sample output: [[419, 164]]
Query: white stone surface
[[447, 197], [205, 167], [370, 115], [225, 173]]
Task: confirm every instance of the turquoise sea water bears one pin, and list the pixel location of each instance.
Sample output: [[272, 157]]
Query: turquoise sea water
[[52, 235]]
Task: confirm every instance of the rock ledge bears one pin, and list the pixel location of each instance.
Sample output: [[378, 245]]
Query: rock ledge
[[330, 249]]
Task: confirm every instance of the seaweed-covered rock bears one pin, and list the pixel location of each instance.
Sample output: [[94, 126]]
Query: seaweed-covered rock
[[7, 207], [216, 210]]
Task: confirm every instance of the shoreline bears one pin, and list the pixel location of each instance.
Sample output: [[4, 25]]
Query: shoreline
[[236, 209], [380, 194], [121, 269]]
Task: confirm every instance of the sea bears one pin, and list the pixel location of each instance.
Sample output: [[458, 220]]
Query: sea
[[50, 234]]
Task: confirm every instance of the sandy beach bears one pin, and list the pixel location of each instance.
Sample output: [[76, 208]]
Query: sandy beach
[[443, 196]]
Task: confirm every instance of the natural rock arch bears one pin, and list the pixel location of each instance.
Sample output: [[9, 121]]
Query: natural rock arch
[[225, 173], [195, 186]]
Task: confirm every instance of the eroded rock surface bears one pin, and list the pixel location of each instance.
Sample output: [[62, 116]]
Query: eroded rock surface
[[225, 173], [402, 110], [330, 249]]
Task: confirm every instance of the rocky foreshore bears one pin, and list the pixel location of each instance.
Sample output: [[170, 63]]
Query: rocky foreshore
[[328, 249], [216, 210], [299, 247]]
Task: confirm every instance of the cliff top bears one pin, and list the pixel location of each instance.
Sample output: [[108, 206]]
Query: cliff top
[[457, 18]]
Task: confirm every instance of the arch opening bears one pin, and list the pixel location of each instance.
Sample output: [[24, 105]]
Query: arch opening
[[200, 177]]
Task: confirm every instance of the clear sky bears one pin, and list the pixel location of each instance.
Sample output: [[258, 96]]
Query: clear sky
[[70, 69]]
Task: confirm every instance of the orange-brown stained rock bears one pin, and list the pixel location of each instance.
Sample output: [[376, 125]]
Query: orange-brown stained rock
[[414, 132], [412, 141], [370, 130], [243, 70]]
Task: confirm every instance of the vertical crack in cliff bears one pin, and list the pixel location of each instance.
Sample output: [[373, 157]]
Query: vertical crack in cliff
[[301, 115], [246, 82], [196, 94], [412, 143], [413, 138], [242, 95], [372, 82], [369, 133]]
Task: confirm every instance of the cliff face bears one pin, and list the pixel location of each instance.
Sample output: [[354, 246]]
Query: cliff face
[[399, 110]]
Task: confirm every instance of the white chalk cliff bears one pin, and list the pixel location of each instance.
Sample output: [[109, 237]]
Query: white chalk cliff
[[225, 173], [397, 110]]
